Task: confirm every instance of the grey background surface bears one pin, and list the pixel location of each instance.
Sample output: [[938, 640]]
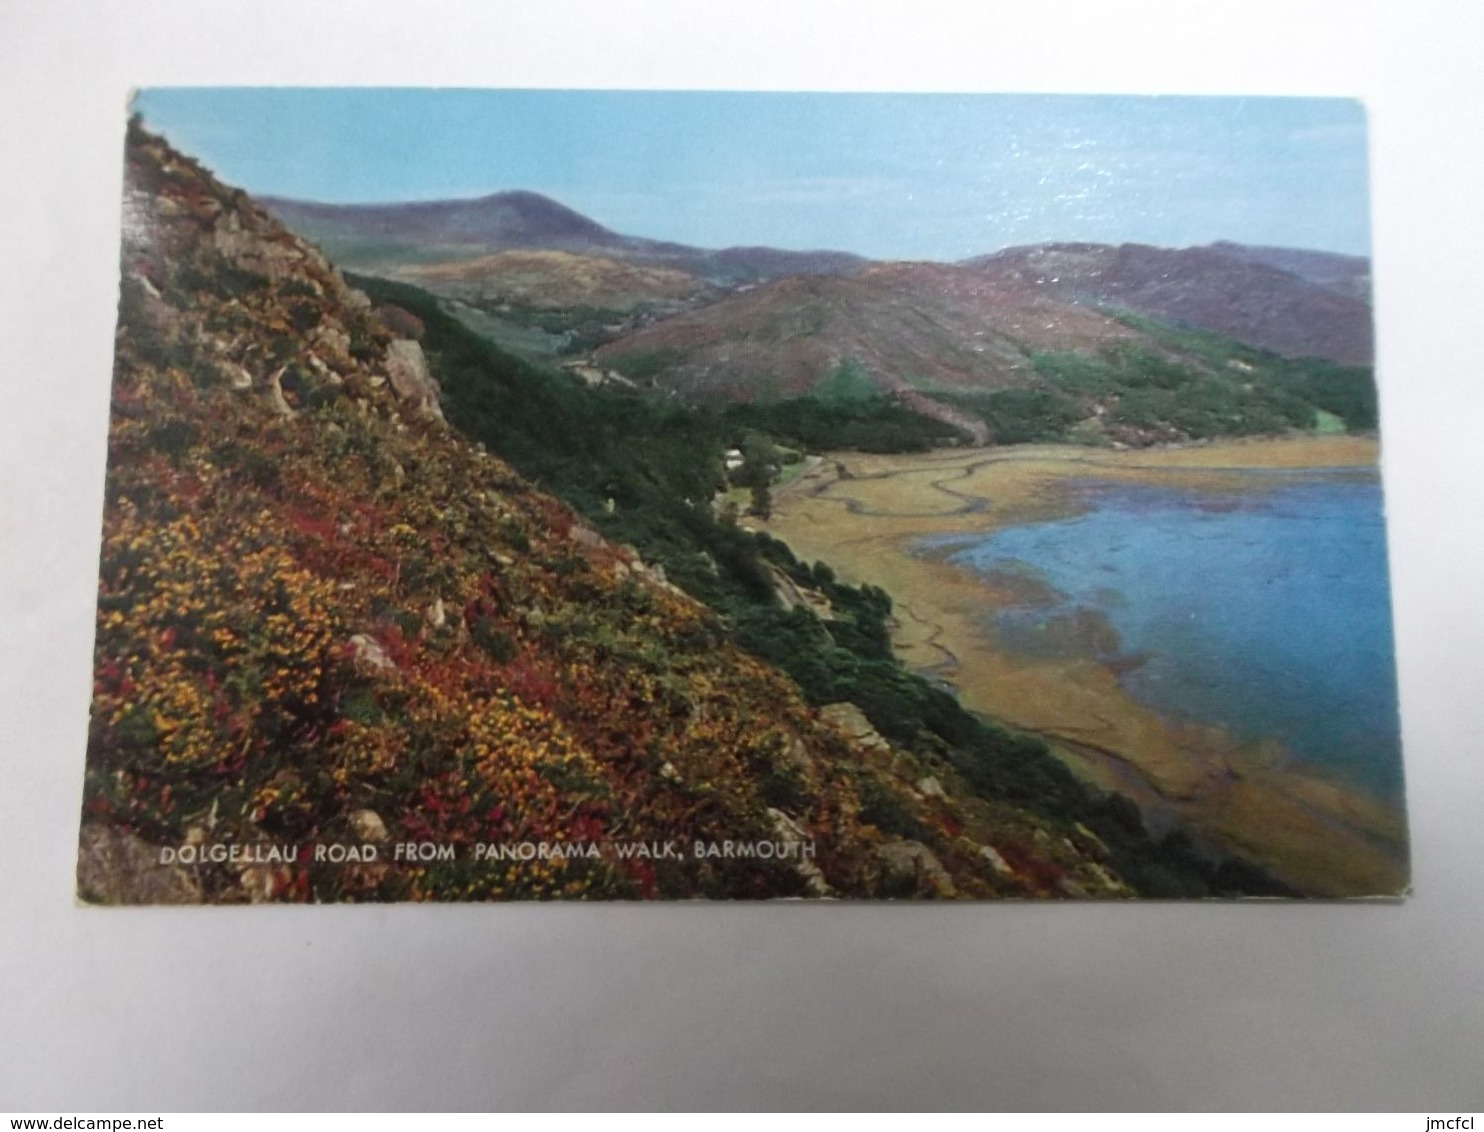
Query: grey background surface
[[1153, 1006]]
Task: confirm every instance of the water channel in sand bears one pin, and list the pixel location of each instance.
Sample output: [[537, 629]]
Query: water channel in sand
[[1203, 628]]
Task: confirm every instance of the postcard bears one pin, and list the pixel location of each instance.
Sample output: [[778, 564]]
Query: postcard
[[557, 495]]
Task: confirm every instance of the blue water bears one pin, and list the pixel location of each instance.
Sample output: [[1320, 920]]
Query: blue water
[[1267, 614]]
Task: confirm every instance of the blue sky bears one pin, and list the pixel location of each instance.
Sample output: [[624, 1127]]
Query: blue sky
[[888, 176]]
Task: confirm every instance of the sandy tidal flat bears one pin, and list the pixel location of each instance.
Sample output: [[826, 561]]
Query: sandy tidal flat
[[867, 515]]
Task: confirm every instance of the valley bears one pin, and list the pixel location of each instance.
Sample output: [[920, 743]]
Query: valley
[[477, 523], [1090, 344]]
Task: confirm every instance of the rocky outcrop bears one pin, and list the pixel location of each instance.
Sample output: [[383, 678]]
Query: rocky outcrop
[[914, 866], [998, 863], [368, 826], [239, 237], [116, 867], [368, 656], [407, 368], [790, 832], [284, 320], [400, 321], [853, 722]]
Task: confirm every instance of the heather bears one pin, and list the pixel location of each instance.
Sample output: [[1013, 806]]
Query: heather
[[328, 617]]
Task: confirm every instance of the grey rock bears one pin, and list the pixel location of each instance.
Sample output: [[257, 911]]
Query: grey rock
[[274, 387], [787, 829], [1089, 842], [998, 863], [930, 787], [114, 867], [368, 656], [368, 826], [851, 720], [407, 369], [914, 860], [797, 754], [586, 536]]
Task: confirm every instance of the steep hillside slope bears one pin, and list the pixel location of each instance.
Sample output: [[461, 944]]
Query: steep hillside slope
[[901, 325], [329, 625], [994, 353], [1225, 288]]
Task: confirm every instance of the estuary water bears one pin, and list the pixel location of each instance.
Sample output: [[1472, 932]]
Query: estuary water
[[1265, 612]]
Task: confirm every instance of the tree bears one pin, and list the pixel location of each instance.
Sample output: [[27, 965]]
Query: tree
[[762, 501]]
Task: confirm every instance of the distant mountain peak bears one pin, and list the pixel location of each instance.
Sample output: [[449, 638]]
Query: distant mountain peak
[[516, 218], [371, 237]]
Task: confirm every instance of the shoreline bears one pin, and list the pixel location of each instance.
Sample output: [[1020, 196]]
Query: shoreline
[[863, 513]]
